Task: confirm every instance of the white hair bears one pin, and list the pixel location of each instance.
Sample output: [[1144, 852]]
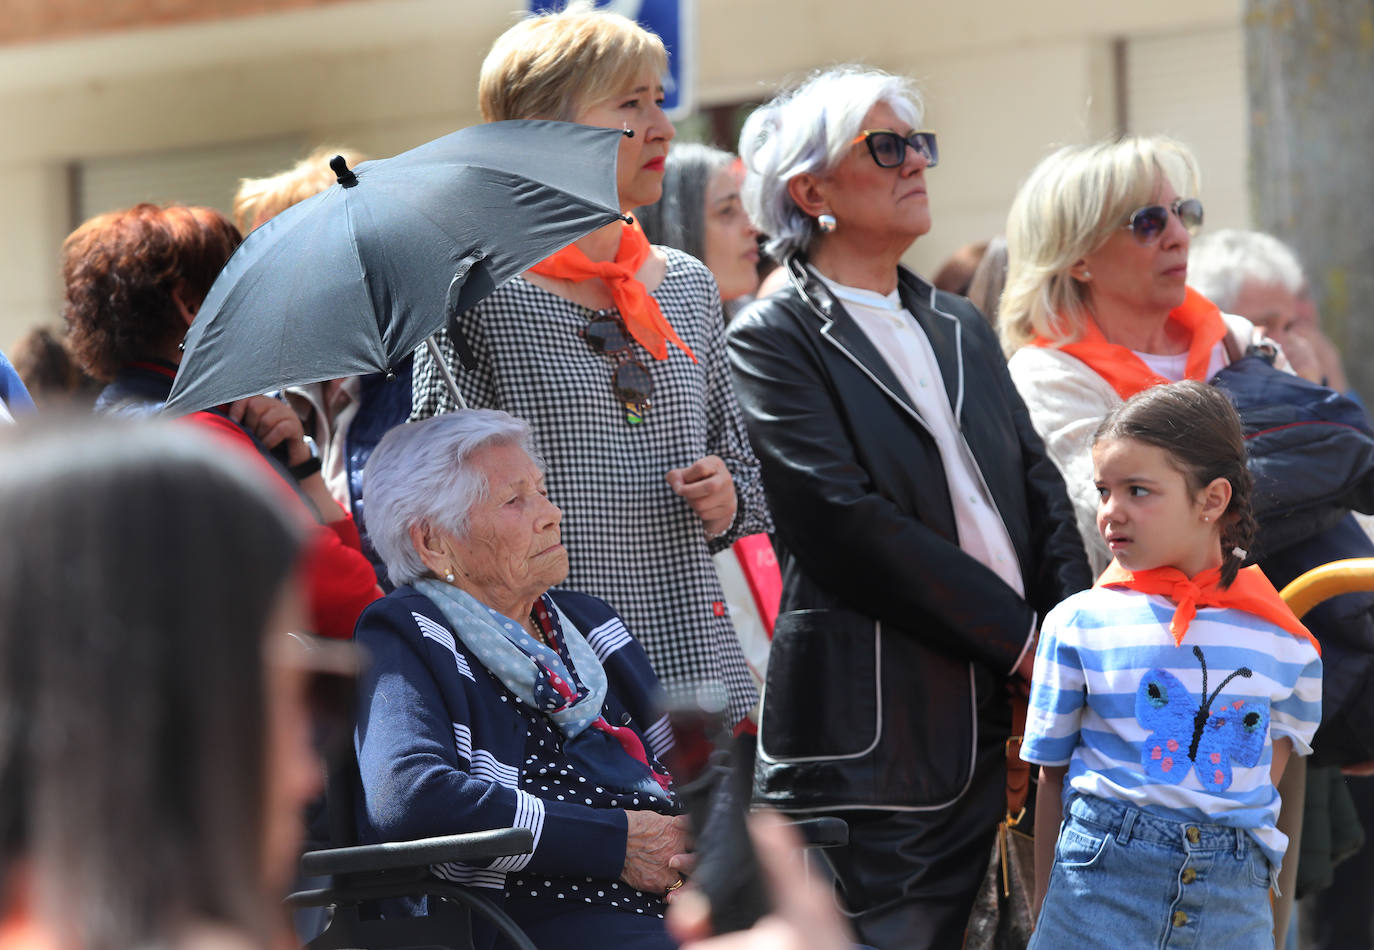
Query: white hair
[[809, 129], [1221, 263], [419, 474]]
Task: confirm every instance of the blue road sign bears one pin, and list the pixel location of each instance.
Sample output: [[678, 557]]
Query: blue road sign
[[674, 22]]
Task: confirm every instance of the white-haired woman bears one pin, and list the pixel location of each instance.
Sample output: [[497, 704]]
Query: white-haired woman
[[1258, 277], [614, 350], [921, 529], [492, 701]]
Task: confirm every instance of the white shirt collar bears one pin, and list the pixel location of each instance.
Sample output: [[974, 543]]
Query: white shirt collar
[[865, 298]]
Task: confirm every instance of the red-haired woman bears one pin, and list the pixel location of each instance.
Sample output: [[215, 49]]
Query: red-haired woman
[[134, 281]]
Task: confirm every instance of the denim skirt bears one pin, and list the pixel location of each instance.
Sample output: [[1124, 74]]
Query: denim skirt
[[1126, 879]]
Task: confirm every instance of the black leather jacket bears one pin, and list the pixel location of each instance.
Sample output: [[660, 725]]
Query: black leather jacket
[[891, 643]]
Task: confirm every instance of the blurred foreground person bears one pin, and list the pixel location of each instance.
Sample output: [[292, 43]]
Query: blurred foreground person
[[134, 281], [921, 529], [154, 738], [614, 351], [492, 701], [804, 915]]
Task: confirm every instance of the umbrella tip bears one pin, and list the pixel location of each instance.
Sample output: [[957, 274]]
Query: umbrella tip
[[339, 166]]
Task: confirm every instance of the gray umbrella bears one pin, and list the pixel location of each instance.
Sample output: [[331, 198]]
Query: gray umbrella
[[351, 280]]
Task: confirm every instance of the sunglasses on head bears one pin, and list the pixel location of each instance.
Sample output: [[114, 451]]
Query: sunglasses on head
[[605, 333], [1149, 222], [888, 148]]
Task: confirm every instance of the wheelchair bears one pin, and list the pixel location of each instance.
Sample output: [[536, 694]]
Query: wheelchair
[[363, 875]]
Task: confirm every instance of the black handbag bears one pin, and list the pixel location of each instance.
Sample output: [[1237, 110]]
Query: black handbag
[[1001, 918]]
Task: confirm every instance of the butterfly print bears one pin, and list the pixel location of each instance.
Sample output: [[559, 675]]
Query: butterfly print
[[1185, 734]]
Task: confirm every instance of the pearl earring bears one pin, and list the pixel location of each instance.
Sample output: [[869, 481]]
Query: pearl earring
[[1087, 275], [449, 576], [827, 223]]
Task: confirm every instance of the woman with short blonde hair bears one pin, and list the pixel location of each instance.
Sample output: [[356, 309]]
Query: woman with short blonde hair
[[613, 349], [545, 67]]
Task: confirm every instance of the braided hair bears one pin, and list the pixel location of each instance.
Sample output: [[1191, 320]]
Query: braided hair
[[1200, 430]]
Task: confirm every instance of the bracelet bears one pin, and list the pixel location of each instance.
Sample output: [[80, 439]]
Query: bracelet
[[305, 469]]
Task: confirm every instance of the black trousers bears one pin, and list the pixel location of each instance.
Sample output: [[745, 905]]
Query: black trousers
[[908, 879]]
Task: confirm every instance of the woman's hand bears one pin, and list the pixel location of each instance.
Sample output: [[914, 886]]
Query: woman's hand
[[274, 423], [707, 486], [655, 851]]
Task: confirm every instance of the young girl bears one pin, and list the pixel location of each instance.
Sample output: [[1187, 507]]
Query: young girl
[[1167, 699]]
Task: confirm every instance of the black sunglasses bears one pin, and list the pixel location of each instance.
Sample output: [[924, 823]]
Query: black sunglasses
[[605, 333], [888, 148], [1147, 224]]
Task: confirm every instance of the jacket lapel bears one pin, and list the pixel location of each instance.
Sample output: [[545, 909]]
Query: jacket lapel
[[850, 339], [840, 330]]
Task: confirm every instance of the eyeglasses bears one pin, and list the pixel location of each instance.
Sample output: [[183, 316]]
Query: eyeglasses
[[1147, 224], [888, 148], [605, 333]]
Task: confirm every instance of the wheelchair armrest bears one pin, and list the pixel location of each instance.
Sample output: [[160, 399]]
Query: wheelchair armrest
[[828, 832], [394, 855]]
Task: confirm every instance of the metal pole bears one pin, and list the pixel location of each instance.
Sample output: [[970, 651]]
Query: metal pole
[[443, 370]]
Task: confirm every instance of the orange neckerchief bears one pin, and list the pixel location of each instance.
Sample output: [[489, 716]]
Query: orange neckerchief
[[1126, 372], [641, 314], [1250, 592]]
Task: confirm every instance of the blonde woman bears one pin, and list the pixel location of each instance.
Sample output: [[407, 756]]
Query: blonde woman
[[614, 351], [1096, 305]]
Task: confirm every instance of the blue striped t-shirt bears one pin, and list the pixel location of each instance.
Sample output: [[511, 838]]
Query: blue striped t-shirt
[[1116, 701]]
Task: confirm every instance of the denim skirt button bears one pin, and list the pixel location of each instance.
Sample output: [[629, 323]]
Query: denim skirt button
[[1180, 918], [1193, 834], [1189, 875]]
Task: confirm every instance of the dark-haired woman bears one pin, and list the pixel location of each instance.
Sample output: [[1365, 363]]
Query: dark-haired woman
[[134, 281], [154, 740], [613, 350], [1167, 701]]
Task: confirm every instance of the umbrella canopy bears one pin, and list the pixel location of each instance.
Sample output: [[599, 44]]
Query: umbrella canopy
[[351, 280]]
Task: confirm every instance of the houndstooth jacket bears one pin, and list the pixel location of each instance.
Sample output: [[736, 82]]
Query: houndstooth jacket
[[631, 541]]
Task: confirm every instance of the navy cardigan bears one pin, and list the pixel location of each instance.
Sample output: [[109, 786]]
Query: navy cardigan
[[440, 751]]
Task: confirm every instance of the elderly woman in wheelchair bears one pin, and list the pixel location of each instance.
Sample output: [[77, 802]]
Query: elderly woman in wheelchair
[[492, 701]]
